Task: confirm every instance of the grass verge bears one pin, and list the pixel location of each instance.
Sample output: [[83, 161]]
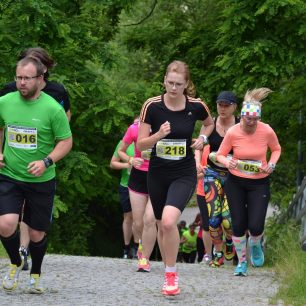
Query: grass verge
[[2, 251], [289, 260]]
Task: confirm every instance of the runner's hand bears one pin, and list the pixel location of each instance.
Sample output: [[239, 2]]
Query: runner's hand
[[232, 164], [37, 168], [268, 169], [198, 143], [137, 162], [165, 129]]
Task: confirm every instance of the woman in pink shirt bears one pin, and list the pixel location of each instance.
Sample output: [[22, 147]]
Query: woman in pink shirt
[[144, 223], [247, 187]]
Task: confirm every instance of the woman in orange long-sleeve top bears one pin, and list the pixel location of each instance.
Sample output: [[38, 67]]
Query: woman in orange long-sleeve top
[[247, 187]]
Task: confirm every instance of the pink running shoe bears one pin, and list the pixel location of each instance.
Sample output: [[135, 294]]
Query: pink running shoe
[[170, 286], [143, 265], [139, 251]]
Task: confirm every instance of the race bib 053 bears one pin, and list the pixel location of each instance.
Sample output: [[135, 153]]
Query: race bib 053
[[249, 166]]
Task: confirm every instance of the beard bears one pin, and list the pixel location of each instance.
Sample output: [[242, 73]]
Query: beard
[[28, 94]]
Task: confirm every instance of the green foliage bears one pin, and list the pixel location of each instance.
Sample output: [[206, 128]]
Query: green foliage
[[76, 35], [234, 45], [2, 251], [110, 67], [284, 251]]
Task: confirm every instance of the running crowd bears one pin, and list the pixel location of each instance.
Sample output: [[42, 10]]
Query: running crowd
[[161, 167]]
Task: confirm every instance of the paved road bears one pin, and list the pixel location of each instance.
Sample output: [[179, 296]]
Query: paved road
[[77, 280]]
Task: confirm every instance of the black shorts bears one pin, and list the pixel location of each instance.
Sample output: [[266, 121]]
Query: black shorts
[[36, 197], [138, 181], [124, 199], [170, 189]]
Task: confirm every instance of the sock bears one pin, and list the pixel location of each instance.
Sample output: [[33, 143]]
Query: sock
[[136, 245], [229, 241], [126, 247], [38, 251], [170, 269], [240, 246], [11, 245], [219, 254], [255, 240]]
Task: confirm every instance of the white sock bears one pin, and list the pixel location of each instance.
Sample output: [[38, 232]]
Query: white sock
[[170, 269]]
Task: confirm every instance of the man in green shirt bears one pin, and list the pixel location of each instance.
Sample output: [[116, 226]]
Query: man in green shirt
[[37, 135], [189, 244]]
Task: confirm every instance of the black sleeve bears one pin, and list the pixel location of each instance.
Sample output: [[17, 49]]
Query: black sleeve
[[66, 100], [203, 111], [10, 87]]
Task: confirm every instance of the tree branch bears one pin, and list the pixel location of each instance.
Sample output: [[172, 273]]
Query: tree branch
[[145, 18]]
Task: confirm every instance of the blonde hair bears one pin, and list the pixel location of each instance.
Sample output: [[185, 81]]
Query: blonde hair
[[256, 95], [179, 67], [190, 89]]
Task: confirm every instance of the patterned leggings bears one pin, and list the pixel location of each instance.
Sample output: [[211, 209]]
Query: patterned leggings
[[219, 217]]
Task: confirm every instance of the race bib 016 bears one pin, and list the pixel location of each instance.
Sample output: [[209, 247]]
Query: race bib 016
[[22, 137], [172, 149]]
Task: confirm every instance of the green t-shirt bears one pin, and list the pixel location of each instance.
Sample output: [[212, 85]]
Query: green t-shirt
[[32, 129], [191, 243], [125, 173]]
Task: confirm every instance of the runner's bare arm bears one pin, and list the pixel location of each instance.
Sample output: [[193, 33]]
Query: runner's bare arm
[[206, 130], [145, 140]]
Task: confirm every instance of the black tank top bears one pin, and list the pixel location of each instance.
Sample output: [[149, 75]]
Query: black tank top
[[215, 141]]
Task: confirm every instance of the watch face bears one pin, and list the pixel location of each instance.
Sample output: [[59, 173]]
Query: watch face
[[47, 162]]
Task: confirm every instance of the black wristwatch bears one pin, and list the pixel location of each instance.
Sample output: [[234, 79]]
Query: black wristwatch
[[48, 161]]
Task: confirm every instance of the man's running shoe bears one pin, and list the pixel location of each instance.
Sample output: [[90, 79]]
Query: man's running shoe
[[229, 250], [133, 252], [24, 252], [257, 254], [241, 269], [143, 265], [206, 259], [217, 261], [170, 286], [139, 251], [10, 280], [35, 286], [126, 254]]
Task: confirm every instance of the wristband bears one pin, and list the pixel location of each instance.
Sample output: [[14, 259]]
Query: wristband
[[130, 160], [205, 139], [48, 161], [272, 166]]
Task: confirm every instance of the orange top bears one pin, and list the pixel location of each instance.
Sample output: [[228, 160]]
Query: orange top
[[200, 186], [250, 147]]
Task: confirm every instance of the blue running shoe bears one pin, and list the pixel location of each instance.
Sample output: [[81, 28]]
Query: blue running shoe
[[241, 269], [257, 254]]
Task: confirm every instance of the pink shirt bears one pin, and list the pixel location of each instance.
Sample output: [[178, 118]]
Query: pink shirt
[[131, 136], [250, 147]]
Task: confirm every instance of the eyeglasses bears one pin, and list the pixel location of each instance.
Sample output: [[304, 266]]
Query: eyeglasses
[[174, 84], [25, 78]]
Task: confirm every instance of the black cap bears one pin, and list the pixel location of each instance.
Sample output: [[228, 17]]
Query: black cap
[[227, 97]]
